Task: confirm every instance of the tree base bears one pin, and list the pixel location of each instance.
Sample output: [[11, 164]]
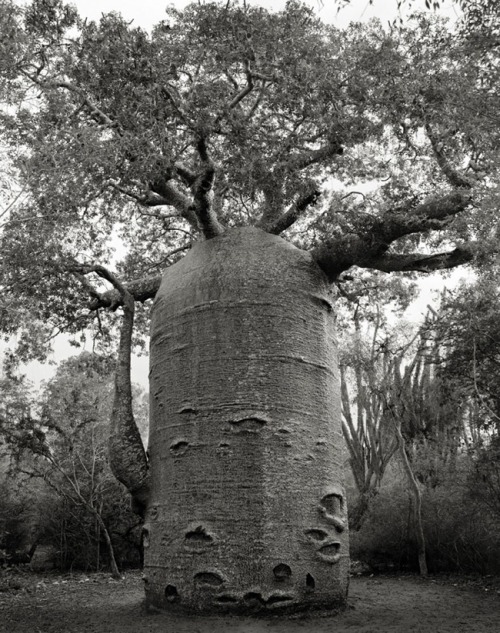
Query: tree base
[[250, 604]]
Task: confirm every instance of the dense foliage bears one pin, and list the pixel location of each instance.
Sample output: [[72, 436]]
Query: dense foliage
[[120, 139]]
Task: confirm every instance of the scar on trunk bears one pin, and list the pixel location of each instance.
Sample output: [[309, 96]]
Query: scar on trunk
[[198, 537], [179, 448], [282, 572], [332, 508], [145, 537], [209, 579], [171, 593], [330, 552], [226, 599], [251, 425], [316, 534], [187, 408]]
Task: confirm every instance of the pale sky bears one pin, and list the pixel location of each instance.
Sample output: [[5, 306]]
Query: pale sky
[[147, 12]]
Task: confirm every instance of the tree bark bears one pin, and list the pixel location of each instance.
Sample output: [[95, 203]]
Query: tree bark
[[247, 511]]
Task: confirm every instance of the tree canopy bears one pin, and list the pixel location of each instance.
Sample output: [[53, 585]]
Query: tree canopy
[[226, 115]]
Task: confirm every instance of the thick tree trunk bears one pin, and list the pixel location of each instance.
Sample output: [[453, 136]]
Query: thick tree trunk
[[247, 511]]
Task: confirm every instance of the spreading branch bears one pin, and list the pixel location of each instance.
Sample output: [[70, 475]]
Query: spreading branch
[[163, 194], [240, 95], [313, 157], [417, 262], [368, 245], [98, 115]]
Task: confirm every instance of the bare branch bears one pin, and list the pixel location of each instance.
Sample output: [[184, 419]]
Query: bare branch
[[167, 92], [165, 194], [293, 213], [272, 215], [306, 159], [238, 98], [186, 174], [455, 178]]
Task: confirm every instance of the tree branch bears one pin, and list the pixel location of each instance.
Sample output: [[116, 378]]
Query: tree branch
[[271, 215], [246, 90], [202, 191], [306, 159], [294, 212], [451, 174], [394, 262], [369, 242], [169, 195], [96, 113], [140, 289]]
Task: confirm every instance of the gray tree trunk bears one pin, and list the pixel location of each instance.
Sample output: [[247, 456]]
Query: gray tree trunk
[[247, 511]]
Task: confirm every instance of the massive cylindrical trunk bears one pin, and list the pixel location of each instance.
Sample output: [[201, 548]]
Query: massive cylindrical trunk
[[247, 512]]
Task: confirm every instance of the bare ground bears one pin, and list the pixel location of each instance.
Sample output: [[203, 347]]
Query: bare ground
[[36, 603]]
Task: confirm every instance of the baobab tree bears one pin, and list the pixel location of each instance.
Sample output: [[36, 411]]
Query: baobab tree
[[207, 149]]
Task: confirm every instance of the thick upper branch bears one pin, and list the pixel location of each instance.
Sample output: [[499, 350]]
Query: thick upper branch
[[394, 262], [369, 243], [202, 191], [139, 289]]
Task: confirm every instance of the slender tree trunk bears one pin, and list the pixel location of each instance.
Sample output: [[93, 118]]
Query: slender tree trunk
[[358, 514], [247, 511], [417, 497], [98, 547], [115, 572]]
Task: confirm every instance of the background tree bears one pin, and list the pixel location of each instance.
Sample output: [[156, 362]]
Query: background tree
[[222, 128], [65, 446], [445, 421], [366, 368]]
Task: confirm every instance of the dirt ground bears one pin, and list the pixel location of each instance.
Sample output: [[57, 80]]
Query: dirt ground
[[49, 603]]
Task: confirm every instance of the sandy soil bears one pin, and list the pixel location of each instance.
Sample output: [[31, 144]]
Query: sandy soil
[[379, 604]]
